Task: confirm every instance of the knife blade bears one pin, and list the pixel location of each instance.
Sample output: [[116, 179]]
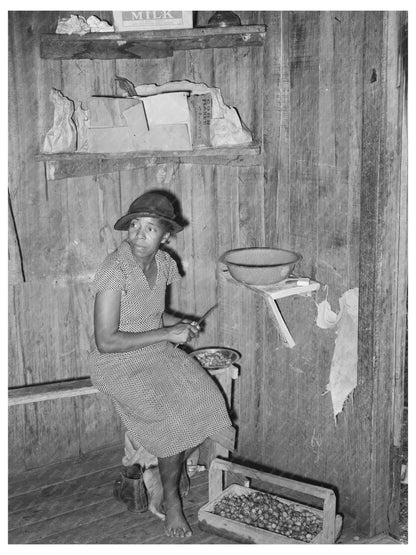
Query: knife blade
[[206, 314]]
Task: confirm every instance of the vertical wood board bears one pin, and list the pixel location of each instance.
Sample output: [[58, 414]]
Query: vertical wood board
[[373, 136], [98, 423], [16, 440], [275, 125], [50, 432]]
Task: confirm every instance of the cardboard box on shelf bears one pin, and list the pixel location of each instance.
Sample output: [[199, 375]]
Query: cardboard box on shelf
[[140, 20], [200, 108]]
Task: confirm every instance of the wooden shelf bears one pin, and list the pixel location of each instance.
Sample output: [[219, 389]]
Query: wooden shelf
[[148, 44], [287, 288], [65, 166]]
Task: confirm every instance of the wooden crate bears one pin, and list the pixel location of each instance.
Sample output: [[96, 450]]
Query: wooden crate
[[246, 533]]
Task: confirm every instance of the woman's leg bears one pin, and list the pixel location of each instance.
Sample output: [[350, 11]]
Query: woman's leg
[[170, 469]]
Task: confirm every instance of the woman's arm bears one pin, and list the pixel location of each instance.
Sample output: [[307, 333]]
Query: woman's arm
[[169, 319], [109, 339]]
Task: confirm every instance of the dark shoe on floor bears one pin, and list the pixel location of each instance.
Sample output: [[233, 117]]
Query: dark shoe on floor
[[130, 489]]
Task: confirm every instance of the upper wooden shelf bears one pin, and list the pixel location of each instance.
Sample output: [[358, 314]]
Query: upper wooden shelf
[[65, 166], [148, 44]]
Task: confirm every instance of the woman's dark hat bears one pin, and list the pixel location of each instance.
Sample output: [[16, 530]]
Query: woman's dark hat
[[154, 205]]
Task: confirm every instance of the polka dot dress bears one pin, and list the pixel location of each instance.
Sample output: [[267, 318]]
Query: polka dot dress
[[166, 400]]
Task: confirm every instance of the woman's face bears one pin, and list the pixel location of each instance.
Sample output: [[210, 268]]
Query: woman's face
[[145, 234]]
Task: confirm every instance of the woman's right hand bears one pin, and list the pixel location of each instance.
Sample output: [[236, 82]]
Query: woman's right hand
[[182, 332]]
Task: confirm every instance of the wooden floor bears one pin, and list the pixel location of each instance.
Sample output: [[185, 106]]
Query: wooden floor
[[72, 503]]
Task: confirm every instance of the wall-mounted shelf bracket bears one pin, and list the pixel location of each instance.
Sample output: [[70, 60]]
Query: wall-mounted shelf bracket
[[287, 288]]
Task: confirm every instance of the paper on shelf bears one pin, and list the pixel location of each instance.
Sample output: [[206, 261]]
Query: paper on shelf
[[110, 139], [62, 137], [167, 109], [136, 119], [226, 127], [108, 111], [163, 137]]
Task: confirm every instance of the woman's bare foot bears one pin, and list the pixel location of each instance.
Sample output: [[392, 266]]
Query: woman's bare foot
[[170, 469], [176, 525]]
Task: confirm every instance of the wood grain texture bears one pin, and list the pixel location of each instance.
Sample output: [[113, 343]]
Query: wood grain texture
[[400, 431], [54, 473], [42, 392], [15, 260], [16, 443], [197, 290], [327, 91], [51, 432], [373, 137], [382, 211], [60, 167], [29, 207], [16, 372], [147, 44], [51, 511], [322, 150], [232, 67], [275, 126], [26, 502]]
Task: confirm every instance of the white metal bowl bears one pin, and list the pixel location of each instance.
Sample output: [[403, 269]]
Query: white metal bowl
[[260, 265]]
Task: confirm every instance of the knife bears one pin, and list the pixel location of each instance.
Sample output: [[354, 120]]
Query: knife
[[205, 315], [198, 322]]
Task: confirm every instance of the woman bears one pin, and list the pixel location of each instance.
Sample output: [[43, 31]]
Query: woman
[[167, 402]]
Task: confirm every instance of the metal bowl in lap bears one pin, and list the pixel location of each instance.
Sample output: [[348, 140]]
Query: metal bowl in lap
[[213, 358]]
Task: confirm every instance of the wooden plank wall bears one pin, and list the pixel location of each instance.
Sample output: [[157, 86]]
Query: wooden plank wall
[[326, 81], [61, 230], [383, 259], [61, 240], [310, 90]]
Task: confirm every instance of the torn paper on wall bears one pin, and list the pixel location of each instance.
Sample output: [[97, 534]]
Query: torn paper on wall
[[62, 137], [226, 128], [78, 25], [98, 25], [73, 25], [343, 373]]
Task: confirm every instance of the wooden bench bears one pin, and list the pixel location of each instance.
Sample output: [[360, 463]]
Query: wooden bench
[[83, 386], [48, 391]]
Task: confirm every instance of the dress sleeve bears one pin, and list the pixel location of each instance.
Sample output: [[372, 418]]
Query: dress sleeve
[[173, 274], [109, 276]]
